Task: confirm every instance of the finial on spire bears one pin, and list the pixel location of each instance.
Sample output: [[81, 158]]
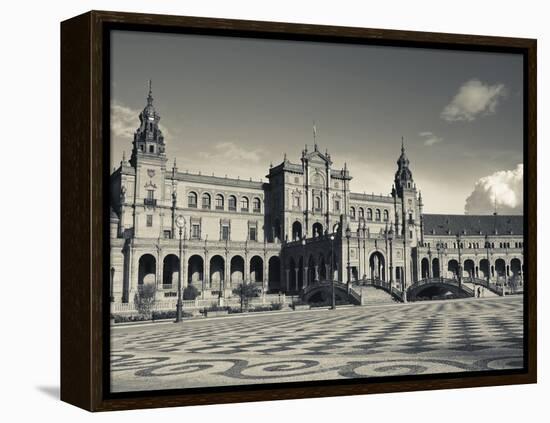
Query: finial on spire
[[314, 136], [402, 144], [123, 156], [150, 95], [284, 157], [175, 166]]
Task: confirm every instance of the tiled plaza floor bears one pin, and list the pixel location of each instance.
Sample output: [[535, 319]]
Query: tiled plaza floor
[[400, 339]]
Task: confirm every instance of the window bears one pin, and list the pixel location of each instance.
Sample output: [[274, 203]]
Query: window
[[369, 214], [232, 203], [361, 212], [150, 194], [296, 201], [252, 234], [219, 202], [195, 231], [352, 212], [256, 205], [206, 201], [225, 233], [377, 215], [151, 149], [317, 203], [244, 204], [149, 220], [167, 234], [337, 205], [192, 200], [386, 216]]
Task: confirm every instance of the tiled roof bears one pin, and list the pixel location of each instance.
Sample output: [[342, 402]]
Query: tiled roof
[[451, 224], [216, 180]]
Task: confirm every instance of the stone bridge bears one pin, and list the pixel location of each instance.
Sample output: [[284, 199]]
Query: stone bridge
[[321, 293], [437, 288]]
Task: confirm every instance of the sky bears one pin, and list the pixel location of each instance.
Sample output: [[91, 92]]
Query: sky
[[231, 106]]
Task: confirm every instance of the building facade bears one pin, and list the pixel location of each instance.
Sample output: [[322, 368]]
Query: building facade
[[304, 224]]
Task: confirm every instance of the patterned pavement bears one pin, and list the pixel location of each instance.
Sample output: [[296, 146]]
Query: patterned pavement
[[391, 340]]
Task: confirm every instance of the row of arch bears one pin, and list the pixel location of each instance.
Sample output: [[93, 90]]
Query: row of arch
[[491, 245], [498, 269], [378, 216], [219, 202], [237, 271]]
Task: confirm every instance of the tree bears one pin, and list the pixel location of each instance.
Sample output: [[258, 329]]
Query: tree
[[144, 299], [245, 291], [190, 292]]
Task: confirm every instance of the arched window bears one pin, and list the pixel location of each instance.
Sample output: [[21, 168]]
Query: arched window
[[244, 204], [369, 214], [352, 212], [192, 200], [386, 216], [151, 149], [361, 212], [256, 205], [206, 201], [219, 202], [232, 203], [377, 215]]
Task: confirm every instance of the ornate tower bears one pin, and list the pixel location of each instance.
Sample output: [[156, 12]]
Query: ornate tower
[[149, 160], [148, 138]]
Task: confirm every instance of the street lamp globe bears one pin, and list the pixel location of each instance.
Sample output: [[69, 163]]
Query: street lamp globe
[[180, 221]]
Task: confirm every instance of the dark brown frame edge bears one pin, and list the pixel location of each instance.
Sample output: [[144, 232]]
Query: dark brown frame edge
[[82, 209]]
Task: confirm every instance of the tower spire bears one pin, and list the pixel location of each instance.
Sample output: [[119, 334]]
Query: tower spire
[[150, 95], [314, 136], [402, 144]]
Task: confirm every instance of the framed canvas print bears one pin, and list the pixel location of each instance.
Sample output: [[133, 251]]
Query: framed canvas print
[[257, 211]]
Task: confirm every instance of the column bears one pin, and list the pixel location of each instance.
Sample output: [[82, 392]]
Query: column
[[316, 273], [287, 271], [183, 270], [296, 270], [226, 275]]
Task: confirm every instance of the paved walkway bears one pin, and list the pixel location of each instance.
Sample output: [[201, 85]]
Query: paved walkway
[[401, 339]]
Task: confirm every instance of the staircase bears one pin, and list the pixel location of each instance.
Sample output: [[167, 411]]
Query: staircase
[[371, 295]]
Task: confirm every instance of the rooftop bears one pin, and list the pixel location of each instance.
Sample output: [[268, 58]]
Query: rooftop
[[452, 224]]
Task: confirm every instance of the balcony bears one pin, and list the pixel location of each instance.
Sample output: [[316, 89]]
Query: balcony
[[257, 210], [219, 207], [150, 202], [232, 208], [244, 209]]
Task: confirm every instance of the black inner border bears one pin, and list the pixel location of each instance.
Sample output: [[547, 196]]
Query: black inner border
[[107, 27]]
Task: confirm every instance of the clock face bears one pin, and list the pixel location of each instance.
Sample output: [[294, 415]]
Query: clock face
[[180, 221]]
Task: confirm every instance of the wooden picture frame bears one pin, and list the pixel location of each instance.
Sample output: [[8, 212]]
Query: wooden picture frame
[[85, 218]]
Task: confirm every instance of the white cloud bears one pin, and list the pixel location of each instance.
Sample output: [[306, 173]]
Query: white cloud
[[430, 138], [506, 186], [474, 98], [229, 152]]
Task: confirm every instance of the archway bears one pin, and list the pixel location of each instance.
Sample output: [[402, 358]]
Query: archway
[[256, 269], [322, 268], [147, 272], [292, 268], [195, 269], [425, 268], [170, 270], [515, 268], [311, 271], [500, 268], [484, 268], [452, 268], [296, 231], [435, 268], [217, 265], [274, 273], [377, 266], [317, 229], [470, 269], [237, 270]]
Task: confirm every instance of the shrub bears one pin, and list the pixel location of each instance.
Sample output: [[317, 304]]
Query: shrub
[[190, 292], [145, 299]]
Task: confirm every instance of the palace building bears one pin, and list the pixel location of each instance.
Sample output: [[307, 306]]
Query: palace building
[[305, 224]]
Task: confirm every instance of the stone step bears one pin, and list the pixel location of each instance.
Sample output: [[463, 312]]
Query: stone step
[[372, 295]]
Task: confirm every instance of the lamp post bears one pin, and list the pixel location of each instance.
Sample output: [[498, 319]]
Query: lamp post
[[305, 282], [390, 239], [458, 242], [180, 222], [364, 229], [487, 246], [439, 248], [348, 236], [333, 305]]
